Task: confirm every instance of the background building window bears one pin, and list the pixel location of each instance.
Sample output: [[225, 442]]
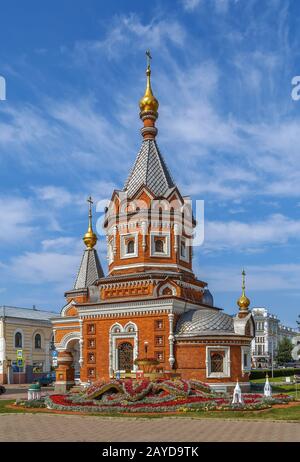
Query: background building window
[[18, 340], [37, 366], [37, 341], [52, 343]]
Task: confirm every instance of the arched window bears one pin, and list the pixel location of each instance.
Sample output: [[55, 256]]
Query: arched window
[[217, 362], [18, 340], [130, 246], [38, 341], [159, 245]]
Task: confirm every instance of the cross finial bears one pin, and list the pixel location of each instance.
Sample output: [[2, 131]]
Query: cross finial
[[90, 202], [149, 57], [243, 279]]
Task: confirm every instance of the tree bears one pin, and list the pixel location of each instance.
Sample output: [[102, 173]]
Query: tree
[[298, 322], [284, 351]]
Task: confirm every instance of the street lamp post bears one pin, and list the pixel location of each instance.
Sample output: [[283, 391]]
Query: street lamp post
[[272, 360]]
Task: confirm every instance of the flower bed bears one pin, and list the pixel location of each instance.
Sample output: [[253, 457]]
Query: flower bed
[[161, 395]]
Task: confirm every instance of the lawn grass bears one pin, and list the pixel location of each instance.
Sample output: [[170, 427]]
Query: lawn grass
[[286, 388], [5, 410], [271, 380]]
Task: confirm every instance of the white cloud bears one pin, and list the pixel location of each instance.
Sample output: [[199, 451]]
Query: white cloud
[[190, 5], [45, 267], [128, 32], [235, 235], [17, 215], [56, 195], [60, 243], [275, 277]]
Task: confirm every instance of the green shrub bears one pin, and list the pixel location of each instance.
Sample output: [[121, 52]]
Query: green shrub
[[261, 373]]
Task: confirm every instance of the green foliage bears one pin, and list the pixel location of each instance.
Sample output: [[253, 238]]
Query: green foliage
[[284, 351], [261, 373]]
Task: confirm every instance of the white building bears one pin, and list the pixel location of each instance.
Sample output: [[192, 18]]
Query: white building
[[269, 332], [29, 330]]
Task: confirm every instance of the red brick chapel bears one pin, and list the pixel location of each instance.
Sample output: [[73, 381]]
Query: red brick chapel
[[150, 303]]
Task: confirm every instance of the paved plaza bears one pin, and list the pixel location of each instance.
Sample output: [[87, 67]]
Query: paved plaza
[[49, 428]]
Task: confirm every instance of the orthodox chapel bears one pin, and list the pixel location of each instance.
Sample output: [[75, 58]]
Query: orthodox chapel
[[150, 304]]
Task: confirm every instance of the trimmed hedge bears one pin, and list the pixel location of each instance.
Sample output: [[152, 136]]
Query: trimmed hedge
[[261, 373]]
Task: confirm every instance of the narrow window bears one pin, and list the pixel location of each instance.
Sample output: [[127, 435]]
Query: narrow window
[[159, 246], [183, 249], [37, 341], [18, 340], [130, 246]]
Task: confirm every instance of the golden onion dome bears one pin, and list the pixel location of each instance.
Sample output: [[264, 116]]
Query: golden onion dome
[[148, 102], [243, 302], [90, 238]]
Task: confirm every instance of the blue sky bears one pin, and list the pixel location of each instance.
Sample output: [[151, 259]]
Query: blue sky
[[228, 128]]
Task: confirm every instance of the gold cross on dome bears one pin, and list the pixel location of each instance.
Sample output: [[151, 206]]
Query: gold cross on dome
[[149, 57]]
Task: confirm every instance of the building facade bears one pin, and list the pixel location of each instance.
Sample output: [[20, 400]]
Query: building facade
[[29, 330], [150, 304], [268, 333]]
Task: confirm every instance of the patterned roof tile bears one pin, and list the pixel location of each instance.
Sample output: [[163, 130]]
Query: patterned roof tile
[[150, 170], [90, 269]]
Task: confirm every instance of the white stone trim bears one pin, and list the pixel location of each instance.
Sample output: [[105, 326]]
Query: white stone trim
[[66, 307], [160, 290], [151, 265], [113, 350], [171, 340], [23, 339], [246, 350], [187, 250], [226, 362], [123, 252], [75, 335], [153, 253]]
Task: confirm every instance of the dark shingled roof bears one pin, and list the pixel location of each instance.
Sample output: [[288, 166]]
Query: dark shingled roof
[[150, 170], [90, 269], [204, 322]]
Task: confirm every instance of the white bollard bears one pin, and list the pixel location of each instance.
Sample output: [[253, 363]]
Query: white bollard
[[267, 388], [237, 394]]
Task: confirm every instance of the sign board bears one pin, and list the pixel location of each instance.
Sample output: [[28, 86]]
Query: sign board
[[54, 354], [20, 362], [19, 354], [118, 375]]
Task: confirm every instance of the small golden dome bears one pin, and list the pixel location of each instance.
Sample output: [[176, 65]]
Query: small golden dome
[[148, 102], [243, 302], [90, 238]]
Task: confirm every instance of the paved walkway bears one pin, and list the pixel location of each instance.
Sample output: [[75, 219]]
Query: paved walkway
[[44, 427]]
